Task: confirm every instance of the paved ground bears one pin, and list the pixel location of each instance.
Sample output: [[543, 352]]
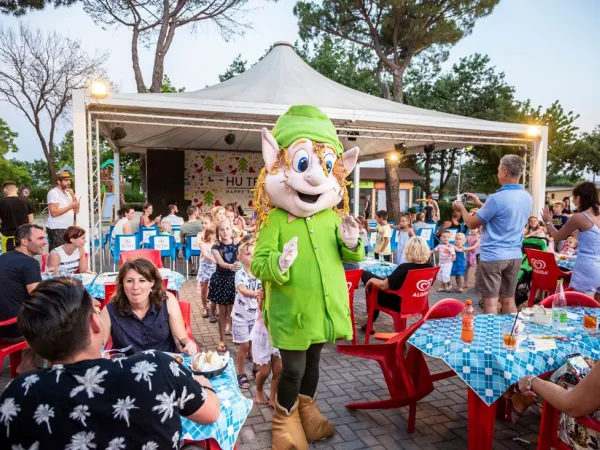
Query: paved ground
[[441, 417]]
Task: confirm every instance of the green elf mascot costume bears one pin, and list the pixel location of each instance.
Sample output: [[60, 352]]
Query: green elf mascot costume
[[302, 240]]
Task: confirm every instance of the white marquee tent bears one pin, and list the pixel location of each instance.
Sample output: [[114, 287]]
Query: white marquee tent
[[245, 104]]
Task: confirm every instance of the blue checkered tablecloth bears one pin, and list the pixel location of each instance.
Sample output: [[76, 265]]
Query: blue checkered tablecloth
[[485, 365], [234, 411], [96, 289], [382, 270], [565, 265], [86, 278]]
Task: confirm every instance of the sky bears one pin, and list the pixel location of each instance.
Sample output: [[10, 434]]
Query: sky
[[548, 50]]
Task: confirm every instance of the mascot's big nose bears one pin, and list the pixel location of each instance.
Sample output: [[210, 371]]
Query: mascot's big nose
[[316, 177]]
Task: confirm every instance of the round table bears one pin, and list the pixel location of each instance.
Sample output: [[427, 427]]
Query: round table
[[96, 289]]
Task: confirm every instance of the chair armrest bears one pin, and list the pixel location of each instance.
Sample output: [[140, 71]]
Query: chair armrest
[[7, 322], [589, 422]]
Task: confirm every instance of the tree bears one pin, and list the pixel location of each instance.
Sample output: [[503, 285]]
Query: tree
[[167, 87], [584, 155], [21, 7], [154, 23], [396, 32], [235, 68], [38, 74], [10, 170]]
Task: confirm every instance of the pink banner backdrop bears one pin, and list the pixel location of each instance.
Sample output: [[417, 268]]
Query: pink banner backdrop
[[214, 178]]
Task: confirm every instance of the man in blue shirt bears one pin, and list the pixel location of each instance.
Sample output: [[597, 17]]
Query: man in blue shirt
[[503, 217]]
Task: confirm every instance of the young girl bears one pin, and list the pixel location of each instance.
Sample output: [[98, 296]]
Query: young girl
[[266, 357], [459, 266], [230, 215], [245, 309], [447, 256], [405, 232], [533, 228], [166, 228], [473, 240], [221, 289], [208, 265], [363, 226], [218, 214]]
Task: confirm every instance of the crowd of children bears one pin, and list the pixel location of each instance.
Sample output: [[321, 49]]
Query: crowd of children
[[225, 280]]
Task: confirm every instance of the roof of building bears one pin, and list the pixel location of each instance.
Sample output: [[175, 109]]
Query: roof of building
[[378, 174], [558, 188]]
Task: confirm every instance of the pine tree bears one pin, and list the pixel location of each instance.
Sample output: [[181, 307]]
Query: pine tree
[[209, 198], [243, 165], [209, 163]]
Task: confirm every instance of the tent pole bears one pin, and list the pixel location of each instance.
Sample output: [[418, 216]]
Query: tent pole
[[117, 182], [538, 170], [80, 151], [356, 191]]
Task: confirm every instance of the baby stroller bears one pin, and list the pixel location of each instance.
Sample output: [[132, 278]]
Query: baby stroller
[[524, 279]]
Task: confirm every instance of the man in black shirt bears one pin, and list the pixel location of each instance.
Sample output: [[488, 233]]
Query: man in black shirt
[[85, 401], [14, 212]]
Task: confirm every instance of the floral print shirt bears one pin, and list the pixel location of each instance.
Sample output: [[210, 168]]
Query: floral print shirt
[[133, 402]]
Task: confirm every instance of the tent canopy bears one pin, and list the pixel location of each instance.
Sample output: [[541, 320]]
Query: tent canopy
[[254, 99]]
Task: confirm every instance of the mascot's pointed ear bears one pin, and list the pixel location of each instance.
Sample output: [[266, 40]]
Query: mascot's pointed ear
[[270, 149], [349, 158]]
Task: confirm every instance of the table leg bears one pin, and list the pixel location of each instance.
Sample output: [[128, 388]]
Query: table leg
[[481, 422]]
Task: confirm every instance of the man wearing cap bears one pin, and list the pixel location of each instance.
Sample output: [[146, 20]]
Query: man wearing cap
[[302, 241], [62, 206], [14, 212]]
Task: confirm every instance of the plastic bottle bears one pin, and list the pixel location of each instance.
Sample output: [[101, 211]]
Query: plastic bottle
[[559, 308], [468, 321]]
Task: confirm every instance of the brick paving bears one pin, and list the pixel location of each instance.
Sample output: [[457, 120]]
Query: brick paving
[[441, 417]]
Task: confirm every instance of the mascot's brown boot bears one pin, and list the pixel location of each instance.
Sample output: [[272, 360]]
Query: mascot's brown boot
[[288, 433], [315, 424]]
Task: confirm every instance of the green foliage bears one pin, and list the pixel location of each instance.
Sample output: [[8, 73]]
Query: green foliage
[[555, 179], [344, 63], [11, 169], [167, 87], [235, 68], [446, 210], [22, 7], [7, 139], [132, 194]]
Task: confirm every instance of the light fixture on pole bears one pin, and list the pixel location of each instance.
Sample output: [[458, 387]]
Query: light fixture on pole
[[533, 131], [99, 89]]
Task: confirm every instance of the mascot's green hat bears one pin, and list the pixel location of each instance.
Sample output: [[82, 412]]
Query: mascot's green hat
[[308, 122]]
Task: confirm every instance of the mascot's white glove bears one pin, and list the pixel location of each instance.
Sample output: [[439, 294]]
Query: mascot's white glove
[[349, 231], [288, 255]]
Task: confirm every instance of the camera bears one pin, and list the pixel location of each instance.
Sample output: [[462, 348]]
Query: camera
[[462, 198]]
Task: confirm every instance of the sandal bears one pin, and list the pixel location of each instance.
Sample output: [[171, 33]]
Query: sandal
[[213, 319], [243, 382], [204, 313]]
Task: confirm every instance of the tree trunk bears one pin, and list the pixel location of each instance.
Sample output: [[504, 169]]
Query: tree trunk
[[383, 86], [392, 192], [427, 183], [446, 174], [137, 71], [398, 85]]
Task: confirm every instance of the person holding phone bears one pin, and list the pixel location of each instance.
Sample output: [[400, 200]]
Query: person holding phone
[[62, 207]]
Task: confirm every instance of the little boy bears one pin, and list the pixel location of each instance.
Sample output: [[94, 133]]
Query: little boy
[[384, 234], [245, 309], [447, 255], [558, 220]]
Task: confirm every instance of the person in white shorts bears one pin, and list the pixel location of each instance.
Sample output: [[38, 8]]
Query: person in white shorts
[[266, 357], [245, 308], [447, 255]]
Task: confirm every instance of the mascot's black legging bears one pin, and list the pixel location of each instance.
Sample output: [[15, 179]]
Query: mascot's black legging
[[300, 374]]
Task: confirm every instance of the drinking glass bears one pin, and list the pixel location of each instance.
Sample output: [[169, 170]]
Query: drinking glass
[[509, 334], [590, 321]]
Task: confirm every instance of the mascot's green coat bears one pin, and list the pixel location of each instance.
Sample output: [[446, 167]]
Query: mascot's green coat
[[309, 303]]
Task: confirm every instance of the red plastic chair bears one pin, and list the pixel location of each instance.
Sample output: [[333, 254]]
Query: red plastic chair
[[545, 273], [406, 373], [548, 435], [353, 280], [150, 255], [415, 299], [573, 299], [12, 350], [110, 288]]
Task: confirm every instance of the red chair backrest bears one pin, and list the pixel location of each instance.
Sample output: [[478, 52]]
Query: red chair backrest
[[572, 300], [353, 279], [187, 317], [544, 269], [415, 291], [448, 307], [44, 260], [150, 255]]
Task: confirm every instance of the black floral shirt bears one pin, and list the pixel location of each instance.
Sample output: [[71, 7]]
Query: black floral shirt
[[99, 404]]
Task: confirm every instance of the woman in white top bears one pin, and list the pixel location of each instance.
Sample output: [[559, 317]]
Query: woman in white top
[[69, 257], [123, 225]]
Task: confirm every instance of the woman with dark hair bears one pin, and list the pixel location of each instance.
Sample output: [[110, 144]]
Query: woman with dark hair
[[123, 224], [142, 314], [586, 273], [567, 202], [69, 257], [145, 220]]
